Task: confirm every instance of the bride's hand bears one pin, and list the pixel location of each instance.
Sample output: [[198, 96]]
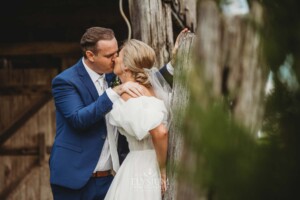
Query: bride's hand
[[177, 42], [163, 182]]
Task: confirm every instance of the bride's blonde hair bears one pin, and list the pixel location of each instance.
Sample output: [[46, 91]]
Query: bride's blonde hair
[[137, 56]]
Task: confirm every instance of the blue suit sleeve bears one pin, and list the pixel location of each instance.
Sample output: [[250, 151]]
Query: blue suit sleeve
[[166, 74], [70, 104]]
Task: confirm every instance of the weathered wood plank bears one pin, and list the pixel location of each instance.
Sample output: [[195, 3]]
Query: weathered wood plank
[[183, 65], [42, 147], [13, 166], [229, 49], [21, 120], [151, 23], [185, 13], [25, 90], [35, 185], [15, 181], [45, 48], [44, 183], [228, 69], [24, 151], [27, 77]]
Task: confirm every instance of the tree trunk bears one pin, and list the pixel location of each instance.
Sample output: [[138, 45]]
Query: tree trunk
[[151, 23]]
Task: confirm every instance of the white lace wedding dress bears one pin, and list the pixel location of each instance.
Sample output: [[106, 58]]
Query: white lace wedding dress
[[138, 177]]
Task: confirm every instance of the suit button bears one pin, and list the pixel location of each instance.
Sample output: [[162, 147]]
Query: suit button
[[103, 137]]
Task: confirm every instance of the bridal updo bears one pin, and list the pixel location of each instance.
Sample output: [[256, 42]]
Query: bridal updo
[[137, 56]]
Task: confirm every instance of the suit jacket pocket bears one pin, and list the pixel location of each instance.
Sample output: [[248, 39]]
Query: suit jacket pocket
[[68, 146]]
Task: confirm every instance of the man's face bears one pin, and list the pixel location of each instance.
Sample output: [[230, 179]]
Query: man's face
[[107, 50]]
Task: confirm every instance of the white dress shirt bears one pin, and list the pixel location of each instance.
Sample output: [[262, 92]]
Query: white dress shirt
[[170, 68], [104, 162]]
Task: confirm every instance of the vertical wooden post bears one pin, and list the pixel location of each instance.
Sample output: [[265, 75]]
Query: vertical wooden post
[[229, 52], [42, 148], [229, 68], [184, 13], [183, 65], [152, 24]]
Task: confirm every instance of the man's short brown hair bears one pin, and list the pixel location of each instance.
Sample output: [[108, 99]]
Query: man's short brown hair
[[92, 36]]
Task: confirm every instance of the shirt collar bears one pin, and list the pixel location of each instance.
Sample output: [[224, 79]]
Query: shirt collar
[[94, 75]]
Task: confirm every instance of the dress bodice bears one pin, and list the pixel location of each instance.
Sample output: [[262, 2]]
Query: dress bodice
[[136, 117], [137, 145]]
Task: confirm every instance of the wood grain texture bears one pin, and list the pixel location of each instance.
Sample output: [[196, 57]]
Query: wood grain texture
[[180, 98], [13, 183], [151, 23]]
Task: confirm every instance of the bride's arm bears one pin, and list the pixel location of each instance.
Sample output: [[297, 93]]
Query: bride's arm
[[160, 142]]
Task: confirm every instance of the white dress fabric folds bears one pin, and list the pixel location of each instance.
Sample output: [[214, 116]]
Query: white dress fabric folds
[[138, 177]]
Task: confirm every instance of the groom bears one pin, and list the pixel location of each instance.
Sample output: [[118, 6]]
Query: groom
[[83, 153]]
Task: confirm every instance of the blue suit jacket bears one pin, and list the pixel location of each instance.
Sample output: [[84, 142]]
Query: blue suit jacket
[[80, 126]]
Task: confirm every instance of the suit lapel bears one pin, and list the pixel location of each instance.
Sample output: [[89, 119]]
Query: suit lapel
[[110, 78], [87, 81]]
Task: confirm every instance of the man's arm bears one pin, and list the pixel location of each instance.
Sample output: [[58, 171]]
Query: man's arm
[[167, 72], [69, 103]]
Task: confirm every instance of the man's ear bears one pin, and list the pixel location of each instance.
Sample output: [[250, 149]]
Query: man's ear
[[90, 56]]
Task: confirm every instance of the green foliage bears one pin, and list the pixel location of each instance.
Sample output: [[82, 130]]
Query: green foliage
[[225, 152], [230, 163], [282, 127], [281, 32]]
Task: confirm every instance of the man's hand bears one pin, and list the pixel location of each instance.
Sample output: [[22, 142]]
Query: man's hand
[[132, 88], [177, 42]]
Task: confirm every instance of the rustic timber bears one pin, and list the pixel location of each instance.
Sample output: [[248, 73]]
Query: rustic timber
[[36, 39], [25, 151], [229, 68], [151, 23], [229, 51], [26, 78], [25, 90], [34, 186], [184, 12], [42, 148], [180, 98], [8, 190], [22, 119], [40, 48]]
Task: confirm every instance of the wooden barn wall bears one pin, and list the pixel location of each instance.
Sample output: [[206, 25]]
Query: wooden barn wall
[[25, 176]]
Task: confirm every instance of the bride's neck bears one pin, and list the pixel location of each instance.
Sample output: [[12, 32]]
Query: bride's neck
[[125, 79]]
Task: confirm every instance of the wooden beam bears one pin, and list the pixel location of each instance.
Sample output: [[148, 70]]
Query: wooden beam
[[25, 90], [24, 151], [40, 48], [42, 148], [10, 188], [34, 108]]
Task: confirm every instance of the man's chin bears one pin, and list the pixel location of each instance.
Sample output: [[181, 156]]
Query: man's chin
[[110, 70]]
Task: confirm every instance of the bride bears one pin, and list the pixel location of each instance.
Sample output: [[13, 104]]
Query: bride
[[143, 121]]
